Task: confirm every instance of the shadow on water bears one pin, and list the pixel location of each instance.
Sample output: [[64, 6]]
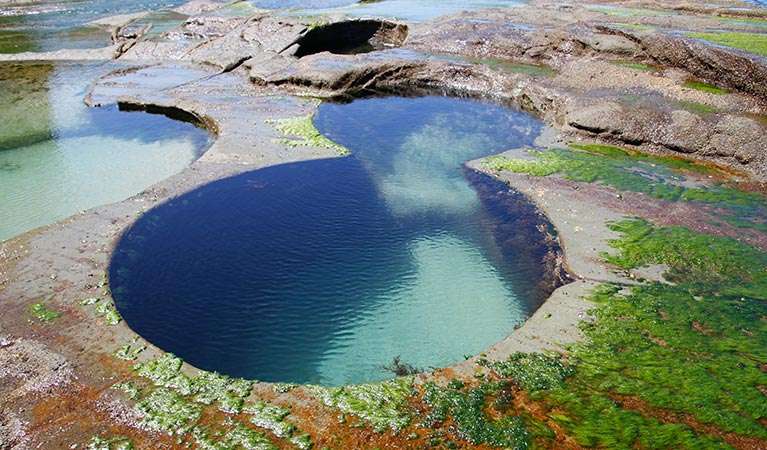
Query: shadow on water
[[324, 271]]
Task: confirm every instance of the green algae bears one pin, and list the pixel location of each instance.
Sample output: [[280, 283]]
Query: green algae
[[691, 347], [24, 94], [635, 65], [301, 132], [467, 408], [633, 26], [167, 411], [129, 388], [174, 402], [617, 11], [43, 313], [533, 371], [238, 437], [715, 265], [130, 351], [230, 393], [705, 87], [111, 443], [697, 108], [694, 348], [515, 67], [205, 388], [108, 312], [270, 417], [657, 176], [382, 405], [89, 301], [302, 441], [282, 388], [751, 42]]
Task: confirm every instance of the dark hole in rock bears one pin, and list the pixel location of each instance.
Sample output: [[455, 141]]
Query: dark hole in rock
[[351, 37]]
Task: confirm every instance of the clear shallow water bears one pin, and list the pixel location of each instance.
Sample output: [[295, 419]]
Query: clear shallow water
[[324, 271], [53, 25], [58, 157], [408, 10]]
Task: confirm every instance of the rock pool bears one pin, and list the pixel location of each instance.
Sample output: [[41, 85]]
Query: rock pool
[[53, 25], [58, 157], [325, 271]]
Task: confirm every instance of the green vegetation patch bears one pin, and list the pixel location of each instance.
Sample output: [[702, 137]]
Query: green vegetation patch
[[704, 87], [657, 176], [129, 388], [302, 441], [111, 443], [107, 310], [533, 371], [43, 313], [635, 65], [751, 42], [656, 351], [618, 11], [708, 264], [239, 436], [633, 26], [173, 403], [205, 388], [383, 405], [467, 407], [697, 108], [301, 132], [270, 417], [166, 410], [515, 67], [129, 352]]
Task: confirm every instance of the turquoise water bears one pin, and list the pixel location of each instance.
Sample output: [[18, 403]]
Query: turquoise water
[[58, 157], [52, 25], [325, 271]]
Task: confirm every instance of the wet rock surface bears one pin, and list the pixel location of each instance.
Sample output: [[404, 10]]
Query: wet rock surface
[[619, 72]]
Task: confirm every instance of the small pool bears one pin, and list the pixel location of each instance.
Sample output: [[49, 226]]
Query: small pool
[[59, 157], [57, 24], [325, 271]]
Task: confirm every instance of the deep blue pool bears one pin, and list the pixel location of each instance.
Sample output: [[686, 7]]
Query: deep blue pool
[[324, 271]]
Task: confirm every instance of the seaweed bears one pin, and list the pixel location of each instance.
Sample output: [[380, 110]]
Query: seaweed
[[704, 87], [43, 313], [383, 405], [129, 388], [239, 436], [301, 132], [533, 371], [230, 393], [205, 388], [282, 388], [698, 108], [657, 176], [751, 42], [713, 265], [694, 349], [467, 407], [111, 443], [108, 311], [635, 65], [130, 351], [270, 417], [166, 410]]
